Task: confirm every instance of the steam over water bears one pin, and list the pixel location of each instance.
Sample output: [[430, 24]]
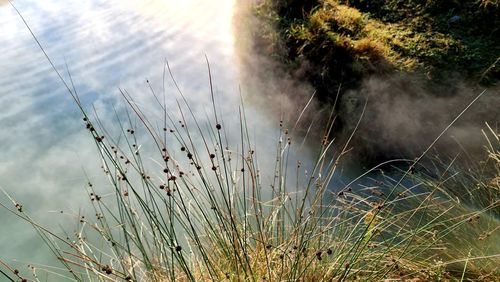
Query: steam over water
[[47, 156], [45, 152]]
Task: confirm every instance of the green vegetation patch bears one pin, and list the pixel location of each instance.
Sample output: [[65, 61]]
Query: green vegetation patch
[[344, 41]]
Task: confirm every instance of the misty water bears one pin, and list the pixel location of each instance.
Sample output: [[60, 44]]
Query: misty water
[[46, 156]]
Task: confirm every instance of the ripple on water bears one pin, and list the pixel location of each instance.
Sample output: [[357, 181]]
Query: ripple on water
[[106, 45]]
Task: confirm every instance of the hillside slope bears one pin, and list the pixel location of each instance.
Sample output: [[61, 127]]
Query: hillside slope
[[342, 42]]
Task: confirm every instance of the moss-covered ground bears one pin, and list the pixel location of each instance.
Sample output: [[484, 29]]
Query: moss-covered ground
[[341, 42]]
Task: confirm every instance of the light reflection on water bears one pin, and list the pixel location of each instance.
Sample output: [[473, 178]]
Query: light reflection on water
[[107, 45]]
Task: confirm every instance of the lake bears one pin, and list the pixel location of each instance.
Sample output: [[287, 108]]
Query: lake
[[46, 155], [104, 47]]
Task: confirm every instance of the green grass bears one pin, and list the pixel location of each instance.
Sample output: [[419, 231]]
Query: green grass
[[342, 42], [207, 214]]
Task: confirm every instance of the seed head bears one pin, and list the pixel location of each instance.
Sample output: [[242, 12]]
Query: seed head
[[318, 255], [107, 269]]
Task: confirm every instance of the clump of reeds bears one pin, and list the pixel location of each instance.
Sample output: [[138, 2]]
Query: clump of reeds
[[197, 207]]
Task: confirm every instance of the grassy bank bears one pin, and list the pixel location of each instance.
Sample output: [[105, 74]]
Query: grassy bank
[[199, 206], [206, 210], [341, 42]]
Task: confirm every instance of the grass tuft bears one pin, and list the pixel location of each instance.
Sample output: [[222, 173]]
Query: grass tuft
[[184, 203]]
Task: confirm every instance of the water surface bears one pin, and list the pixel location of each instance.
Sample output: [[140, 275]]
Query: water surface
[[106, 46]]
